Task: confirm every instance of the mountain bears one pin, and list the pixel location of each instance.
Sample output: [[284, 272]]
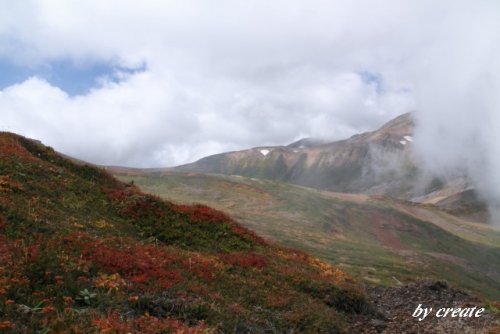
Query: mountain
[[377, 239], [81, 252], [363, 163], [377, 162]]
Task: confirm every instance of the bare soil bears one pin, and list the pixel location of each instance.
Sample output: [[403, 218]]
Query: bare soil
[[395, 306]]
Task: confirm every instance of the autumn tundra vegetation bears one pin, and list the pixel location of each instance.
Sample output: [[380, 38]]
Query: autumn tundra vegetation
[[81, 252]]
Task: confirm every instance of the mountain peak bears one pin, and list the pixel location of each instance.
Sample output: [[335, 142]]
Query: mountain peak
[[306, 143], [404, 120], [362, 163]]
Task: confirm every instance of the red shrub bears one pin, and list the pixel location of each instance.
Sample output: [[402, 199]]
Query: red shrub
[[117, 195], [3, 223], [144, 206], [77, 238], [10, 147], [199, 213], [119, 192], [202, 268], [137, 263], [202, 213], [245, 260]]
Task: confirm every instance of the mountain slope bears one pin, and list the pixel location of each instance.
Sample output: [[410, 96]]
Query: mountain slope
[[376, 239], [362, 163], [81, 252], [377, 162]]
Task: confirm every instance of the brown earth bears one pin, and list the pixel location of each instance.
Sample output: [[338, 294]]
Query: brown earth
[[397, 304]]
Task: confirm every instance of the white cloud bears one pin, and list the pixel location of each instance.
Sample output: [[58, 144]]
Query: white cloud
[[456, 89], [126, 122]]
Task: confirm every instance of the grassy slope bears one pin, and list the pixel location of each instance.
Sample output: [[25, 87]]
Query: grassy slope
[[377, 239], [81, 252]]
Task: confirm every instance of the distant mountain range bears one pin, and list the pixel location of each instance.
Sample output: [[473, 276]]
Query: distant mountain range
[[377, 162], [373, 162]]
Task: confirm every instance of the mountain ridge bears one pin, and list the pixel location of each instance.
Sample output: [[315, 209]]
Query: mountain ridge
[[337, 166], [379, 162]]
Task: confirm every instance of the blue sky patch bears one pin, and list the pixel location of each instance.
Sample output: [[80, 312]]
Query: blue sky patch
[[372, 79], [74, 79]]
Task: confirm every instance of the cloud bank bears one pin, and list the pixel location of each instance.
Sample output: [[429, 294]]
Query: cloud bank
[[214, 76], [457, 89]]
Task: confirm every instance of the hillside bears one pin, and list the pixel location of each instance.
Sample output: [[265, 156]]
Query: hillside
[[81, 252], [374, 238], [378, 162], [363, 163]]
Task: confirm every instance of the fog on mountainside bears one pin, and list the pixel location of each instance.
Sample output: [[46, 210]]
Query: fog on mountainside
[[388, 161], [458, 106]]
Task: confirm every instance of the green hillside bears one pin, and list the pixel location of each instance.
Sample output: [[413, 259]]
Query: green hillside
[[81, 252], [376, 239]]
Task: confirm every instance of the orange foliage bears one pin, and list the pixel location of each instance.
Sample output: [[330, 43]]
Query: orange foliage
[[5, 325], [293, 255], [10, 147], [277, 301], [145, 324], [330, 272], [7, 184], [111, 282], [48, 309]]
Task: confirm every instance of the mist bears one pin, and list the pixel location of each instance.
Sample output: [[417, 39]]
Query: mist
[[457, 85]]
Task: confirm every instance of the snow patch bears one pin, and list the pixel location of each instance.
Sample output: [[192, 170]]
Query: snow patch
[[264, 152], [403, 142], [408, 138]]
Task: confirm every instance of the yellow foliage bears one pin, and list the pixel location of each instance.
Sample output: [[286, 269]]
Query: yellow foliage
[[111, 282], [329, 271], [102, 224]]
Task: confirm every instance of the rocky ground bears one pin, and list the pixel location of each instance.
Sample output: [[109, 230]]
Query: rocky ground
[[397, 304]]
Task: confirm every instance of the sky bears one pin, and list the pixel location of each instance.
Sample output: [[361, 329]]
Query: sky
[[160, 83]]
